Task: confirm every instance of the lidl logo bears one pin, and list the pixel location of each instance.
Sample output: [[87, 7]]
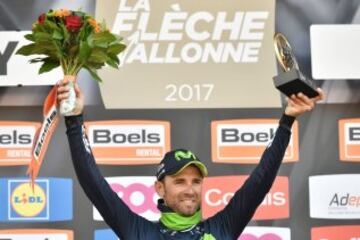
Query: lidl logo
[[350, 232], [51, 200], [218, 191], [138, 193], [129, 141], [16, 141], [349, 139], [36, 234], [244, 141], [28, 203], [105, 234], [265, 233]]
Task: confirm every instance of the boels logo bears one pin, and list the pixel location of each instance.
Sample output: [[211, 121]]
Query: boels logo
[[51, 200], [244, 141], [138, 193], [349, 139], [129, 141], [16, 141], [36, 234], [265, 233], [336, 233], [218, 191]]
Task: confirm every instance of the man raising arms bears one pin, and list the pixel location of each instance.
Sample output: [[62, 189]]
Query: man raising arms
[[179, 183]]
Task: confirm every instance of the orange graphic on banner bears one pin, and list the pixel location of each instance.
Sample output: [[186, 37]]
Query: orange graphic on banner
[[218, 191], [244, 141], [44, 134], [16, 140], [336, 233], [19, 232], [349, 139], [128, 141]]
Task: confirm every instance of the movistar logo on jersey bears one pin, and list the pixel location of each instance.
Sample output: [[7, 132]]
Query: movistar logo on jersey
[[179, 155]]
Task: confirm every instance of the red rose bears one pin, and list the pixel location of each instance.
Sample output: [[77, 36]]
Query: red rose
[[42, 18], [73, 23]]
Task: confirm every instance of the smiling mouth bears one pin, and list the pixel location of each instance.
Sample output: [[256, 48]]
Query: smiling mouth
[[189, 201]]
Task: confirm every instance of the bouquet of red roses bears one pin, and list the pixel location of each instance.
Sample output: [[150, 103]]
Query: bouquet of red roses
[[72, 40]]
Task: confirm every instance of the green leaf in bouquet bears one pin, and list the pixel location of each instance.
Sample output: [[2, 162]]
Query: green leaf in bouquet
[[48, 65], [84, 52], [98, 55], [36, 60], [58, 50], [42, 36], [94, 65], [65, 33], [112, 63], [102, 38], [30, 37], [26, 50], [93, 73], [116, 48], [57, 35], [114, 58], [51, 25], [73, 51]]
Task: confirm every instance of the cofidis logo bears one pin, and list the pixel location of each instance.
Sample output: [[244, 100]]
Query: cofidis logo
[[336, 233], [129, 141], [244, 141], [218, 191], [265, 233], [138, 193], [36, 234], [16, 141], [335, 196], [51, 200], [103, 234], [349, 139]]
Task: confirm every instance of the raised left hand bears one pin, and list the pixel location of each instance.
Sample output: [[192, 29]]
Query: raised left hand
[[300, 103]]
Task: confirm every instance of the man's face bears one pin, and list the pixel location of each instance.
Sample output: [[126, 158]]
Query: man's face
[[182, 192]]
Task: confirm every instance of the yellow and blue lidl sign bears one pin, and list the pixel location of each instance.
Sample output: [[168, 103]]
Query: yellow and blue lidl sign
[[23, 204]]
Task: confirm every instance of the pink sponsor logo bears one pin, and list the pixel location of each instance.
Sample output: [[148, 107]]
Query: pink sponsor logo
[[138, 193], [268, 236], [127, 194]]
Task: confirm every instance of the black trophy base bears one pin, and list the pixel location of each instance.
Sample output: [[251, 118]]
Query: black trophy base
[[293, 82]]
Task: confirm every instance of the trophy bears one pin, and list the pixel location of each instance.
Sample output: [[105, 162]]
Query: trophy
[[291, 80]]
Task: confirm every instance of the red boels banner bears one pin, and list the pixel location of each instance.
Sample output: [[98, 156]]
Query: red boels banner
[[349, 139], [129, 141], [16, 142], [244, 140]]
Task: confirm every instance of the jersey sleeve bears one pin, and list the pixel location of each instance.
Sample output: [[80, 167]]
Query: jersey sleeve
[[235, 216], [125, 223]]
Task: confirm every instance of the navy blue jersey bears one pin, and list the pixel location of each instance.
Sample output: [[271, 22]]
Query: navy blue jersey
[[225, 225]]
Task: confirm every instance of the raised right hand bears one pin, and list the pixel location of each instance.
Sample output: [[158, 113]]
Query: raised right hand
[[63, 93]]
